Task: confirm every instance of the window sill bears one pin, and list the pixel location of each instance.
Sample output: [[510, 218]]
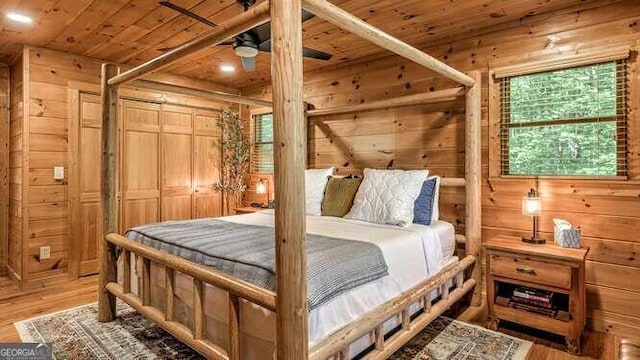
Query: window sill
[[566, 177]]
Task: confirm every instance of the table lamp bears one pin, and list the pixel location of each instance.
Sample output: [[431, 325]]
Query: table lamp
[[262, 187], [531, 207]]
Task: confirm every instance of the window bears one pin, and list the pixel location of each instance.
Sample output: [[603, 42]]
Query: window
[[565, 122], [262, 154]]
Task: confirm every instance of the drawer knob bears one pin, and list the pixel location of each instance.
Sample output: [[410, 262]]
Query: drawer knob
[[526, 270]]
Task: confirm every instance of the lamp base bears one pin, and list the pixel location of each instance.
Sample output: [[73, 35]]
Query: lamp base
[[533, 240]]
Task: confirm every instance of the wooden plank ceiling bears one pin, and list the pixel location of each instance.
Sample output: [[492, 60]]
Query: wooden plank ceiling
[[132, 31]]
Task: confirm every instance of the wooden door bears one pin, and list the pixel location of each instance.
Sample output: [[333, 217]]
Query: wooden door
[[140, 164], [207, 160], [177, 162], [88, 222]]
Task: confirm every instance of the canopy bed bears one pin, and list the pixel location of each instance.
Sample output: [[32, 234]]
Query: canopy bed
[[408, 311]]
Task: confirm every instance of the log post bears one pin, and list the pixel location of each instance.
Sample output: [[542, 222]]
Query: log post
[[289, 150], [108, 264], [473, 172]]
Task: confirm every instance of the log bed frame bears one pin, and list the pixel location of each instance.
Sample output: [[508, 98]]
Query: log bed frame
[[289, 303]]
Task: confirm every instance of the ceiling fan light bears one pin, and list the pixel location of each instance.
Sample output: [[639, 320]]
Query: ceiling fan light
[[227, 68], [246, 51]]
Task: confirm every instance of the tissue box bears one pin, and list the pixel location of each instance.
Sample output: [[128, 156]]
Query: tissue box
[[569, 238], [565, 234]]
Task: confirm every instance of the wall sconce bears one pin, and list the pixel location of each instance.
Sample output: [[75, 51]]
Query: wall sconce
[[531, 207], [262, 187]]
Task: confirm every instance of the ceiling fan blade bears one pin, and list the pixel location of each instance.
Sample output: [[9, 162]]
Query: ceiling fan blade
[[248, 63], [230, 42], [184, 11], [263, 32], [306, 15], [306, 52], [315, 54], [265, 46]]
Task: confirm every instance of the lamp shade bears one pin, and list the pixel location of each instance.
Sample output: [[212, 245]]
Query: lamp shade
[[531, 204], [261, 187]]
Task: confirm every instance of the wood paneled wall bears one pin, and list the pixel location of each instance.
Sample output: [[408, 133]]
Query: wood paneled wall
[[16, 151], [433, 137], [42, 80], [4, 166]]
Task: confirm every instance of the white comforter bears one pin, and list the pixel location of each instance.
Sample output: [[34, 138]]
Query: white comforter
[[412, 253]]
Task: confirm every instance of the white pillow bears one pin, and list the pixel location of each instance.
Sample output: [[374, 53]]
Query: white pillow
[[315, 181], [435, 213], [387, 196]]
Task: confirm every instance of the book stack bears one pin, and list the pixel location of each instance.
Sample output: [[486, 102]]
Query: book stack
[[533, 300]]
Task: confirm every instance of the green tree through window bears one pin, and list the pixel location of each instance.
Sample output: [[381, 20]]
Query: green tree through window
[[263, 144], [564, 122]]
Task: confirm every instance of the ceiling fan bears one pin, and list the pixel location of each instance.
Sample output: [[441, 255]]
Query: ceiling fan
[[247, 44]]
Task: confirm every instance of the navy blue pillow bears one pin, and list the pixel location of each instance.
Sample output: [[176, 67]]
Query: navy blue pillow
[[423, 206]]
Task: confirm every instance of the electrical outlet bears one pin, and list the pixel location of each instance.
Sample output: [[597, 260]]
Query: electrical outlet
[[45, 253], [58, 173]]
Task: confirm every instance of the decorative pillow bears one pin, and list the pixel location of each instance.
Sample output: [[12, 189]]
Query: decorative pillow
[[339, 195], [315, 183], [425, 208], [387, 196]]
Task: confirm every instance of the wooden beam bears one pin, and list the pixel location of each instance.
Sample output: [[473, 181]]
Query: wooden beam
[[210, 94], [290, 137], [256, 15], [453, 182], [234, 328], [198, 310], [356, 26], [126, 271], [473, 173], [243, 289], [407, 100], [108, 264], [169, 293]]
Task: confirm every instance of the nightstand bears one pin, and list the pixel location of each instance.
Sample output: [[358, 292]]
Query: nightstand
[[247, 210], [512, 264]]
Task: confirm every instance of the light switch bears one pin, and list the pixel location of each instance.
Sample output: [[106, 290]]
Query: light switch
[[58, 173], [45, 253]]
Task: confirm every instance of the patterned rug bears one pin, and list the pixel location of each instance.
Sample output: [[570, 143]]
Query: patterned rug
[[76, 334]]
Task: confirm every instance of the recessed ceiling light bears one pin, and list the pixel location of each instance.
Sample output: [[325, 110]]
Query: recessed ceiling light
[[19, 17], [227, 68]]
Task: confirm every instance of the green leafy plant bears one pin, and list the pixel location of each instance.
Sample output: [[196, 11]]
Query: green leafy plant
[[235, 159]]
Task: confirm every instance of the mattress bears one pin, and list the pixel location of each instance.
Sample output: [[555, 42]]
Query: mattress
[[413, 254]]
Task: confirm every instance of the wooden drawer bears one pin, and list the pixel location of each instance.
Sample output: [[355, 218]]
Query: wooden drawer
[[530, 270]]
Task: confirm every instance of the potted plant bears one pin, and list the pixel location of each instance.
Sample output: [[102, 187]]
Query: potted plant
[[235, 160]]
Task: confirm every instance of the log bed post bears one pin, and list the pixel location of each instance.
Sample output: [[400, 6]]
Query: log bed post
[[289, 154], [473, 173], [109, 93]]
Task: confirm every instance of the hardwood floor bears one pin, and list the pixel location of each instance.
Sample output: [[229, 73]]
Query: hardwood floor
[[27, 305], [23, 306]]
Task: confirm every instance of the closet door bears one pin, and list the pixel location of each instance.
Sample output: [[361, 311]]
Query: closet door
[[177, 162], [208, 157], [89, 213], [140, 164]]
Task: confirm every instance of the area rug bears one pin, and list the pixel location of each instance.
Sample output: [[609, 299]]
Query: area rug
[[76, 334]]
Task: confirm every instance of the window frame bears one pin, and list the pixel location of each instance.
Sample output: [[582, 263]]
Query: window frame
[[558, 63], [254, 113]]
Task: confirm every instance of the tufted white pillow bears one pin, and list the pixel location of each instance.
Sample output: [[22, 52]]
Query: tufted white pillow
[[387, 196], [315, 181]]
